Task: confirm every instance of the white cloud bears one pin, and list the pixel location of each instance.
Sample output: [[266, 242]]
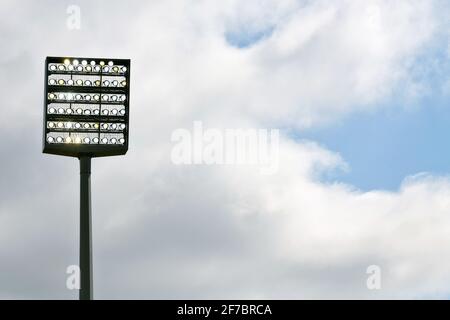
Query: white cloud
[[225, 232], [322, 61]]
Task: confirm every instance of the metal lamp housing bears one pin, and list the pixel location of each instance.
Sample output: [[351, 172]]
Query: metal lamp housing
[[86, 106]]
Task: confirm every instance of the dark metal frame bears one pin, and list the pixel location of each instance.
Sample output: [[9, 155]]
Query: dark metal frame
[[91, 150]]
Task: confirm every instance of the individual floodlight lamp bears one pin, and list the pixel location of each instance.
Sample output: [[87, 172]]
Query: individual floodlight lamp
[[86, 115]]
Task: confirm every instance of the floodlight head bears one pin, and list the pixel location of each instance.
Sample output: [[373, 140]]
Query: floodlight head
[[86, 106]]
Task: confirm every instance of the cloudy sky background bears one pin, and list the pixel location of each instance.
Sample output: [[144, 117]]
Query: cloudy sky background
[[359, 89]]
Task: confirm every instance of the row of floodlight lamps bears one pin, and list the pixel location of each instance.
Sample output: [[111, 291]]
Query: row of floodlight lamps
[[86, 140], [87, 83], [86, 125], [84, 66], [86, 97], [87, 112]]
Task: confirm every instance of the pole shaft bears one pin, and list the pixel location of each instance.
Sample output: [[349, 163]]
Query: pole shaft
[[85, 229]]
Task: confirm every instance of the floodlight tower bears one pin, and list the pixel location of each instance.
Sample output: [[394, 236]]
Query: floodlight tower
[[86, 115]]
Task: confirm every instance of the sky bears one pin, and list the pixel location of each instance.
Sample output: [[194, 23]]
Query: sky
[[359, 90]]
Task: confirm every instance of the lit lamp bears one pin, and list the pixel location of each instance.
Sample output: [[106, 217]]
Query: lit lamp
[[86, 115]]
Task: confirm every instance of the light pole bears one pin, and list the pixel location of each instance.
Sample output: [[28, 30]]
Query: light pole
[[85, 229], [86, 115]]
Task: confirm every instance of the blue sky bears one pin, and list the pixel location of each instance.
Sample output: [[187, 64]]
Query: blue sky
[[401, 138], [383, 148], [244, 37]]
